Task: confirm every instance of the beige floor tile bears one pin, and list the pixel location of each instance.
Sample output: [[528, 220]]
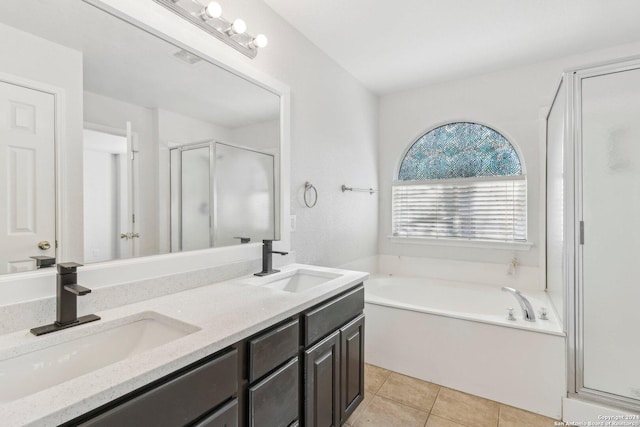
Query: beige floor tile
[[514, 417], [361, 407], [383, 412], [410, 391], [436, 421], [466, 409], [374, 376]]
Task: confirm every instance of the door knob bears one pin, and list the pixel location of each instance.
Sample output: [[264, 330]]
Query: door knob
[[135, 235], [44, 245], [124, 236]]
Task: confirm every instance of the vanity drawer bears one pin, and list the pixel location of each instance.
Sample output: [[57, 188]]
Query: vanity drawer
[[178, 401], [328, 317], [273, 402], [270, 350], [227, 416]]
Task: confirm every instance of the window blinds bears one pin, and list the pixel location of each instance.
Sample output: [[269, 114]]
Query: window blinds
[[488, 209]]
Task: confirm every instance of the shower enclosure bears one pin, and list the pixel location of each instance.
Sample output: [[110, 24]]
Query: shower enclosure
[[593, 233], [221, 195]]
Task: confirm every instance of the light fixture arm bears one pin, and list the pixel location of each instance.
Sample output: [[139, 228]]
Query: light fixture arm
[[208, 17]]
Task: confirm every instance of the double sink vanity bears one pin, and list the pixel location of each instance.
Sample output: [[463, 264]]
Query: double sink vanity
[[279, 350]]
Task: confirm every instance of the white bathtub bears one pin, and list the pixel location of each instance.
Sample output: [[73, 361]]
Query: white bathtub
[[479, 303], [457, 335]]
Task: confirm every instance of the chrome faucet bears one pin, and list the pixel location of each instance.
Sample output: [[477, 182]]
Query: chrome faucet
[[527, 308], [67, 293], [267, 260]]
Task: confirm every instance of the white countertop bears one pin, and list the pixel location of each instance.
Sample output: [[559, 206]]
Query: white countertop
[[225, 312]]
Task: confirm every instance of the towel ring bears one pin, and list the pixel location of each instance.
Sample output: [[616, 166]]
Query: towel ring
[[308, 187]]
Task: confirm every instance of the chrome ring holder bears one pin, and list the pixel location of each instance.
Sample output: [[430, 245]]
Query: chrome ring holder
[[308, 187]]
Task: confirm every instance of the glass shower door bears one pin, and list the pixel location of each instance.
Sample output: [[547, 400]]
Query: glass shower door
[[244, 195], [610, 261]]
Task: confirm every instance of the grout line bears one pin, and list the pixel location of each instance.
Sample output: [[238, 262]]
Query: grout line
[[428, 411]]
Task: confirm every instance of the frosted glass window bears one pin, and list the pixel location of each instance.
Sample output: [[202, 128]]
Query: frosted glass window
[[461, 181], [460, 150]]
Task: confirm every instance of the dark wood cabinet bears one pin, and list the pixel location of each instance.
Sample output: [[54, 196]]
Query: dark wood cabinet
[[273, 402], [307, 370], [271, 349], [175, 400], [351, 366], [322, 383], [331, 315], [334, 367], [227, 416]]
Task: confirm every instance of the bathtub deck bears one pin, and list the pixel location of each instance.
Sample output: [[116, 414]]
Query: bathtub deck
[[392, 399]]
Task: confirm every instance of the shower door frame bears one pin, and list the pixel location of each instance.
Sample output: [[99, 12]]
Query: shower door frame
[[574, 320], [180, 149], [213, 181]]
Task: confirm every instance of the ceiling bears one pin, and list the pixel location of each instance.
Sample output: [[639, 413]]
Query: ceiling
[[392, 46]]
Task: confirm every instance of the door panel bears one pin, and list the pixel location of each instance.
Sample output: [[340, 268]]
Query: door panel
[[610, 209], [27, 192]]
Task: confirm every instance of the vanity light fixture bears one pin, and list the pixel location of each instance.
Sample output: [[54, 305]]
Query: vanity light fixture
[[208, 16]]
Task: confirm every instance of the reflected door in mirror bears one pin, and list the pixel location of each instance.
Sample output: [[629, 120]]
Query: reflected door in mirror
[[27, 195], [109, 188]]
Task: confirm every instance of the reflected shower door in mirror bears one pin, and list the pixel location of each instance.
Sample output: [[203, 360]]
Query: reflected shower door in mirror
[[221, 195], [113, 106]]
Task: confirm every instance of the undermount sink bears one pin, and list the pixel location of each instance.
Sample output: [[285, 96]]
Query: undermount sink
[[111, 342], [299, 280]]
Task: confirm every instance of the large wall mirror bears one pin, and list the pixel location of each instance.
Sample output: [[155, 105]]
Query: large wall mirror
[[163, 151]]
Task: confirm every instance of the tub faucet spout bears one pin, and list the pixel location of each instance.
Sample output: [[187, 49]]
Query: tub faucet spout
[[527, 308]]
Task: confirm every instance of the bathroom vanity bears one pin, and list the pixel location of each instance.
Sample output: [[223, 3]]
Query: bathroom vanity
[[282, 350]]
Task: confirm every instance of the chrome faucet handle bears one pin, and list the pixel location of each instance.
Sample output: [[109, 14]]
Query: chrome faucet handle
[[544, 313], [510, 315]]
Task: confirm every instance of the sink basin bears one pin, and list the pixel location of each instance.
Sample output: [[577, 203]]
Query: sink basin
[[299, 280], [108, 343]]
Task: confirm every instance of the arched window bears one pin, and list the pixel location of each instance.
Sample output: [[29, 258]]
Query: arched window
[[461, 181]]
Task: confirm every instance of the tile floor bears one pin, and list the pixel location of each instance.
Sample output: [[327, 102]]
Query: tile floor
[[395, 400]]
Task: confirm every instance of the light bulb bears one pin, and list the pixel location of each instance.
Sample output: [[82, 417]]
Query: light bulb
[[238, 27], [212, 10], [260, 41]]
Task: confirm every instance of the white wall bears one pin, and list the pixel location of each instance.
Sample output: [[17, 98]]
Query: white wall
[[264, 136], [514, 102], [333, 141]]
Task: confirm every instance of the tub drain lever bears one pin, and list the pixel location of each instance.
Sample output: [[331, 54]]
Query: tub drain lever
[[510, 315]]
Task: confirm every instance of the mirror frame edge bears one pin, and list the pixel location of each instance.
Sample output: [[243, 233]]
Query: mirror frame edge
[[151, 17]]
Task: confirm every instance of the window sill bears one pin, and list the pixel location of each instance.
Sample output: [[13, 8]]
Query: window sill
[[482, 244]]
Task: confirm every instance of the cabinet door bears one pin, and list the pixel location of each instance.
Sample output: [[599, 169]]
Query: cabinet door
[[227, 416], [178, 401], [322, 383], [273, 402], [351, 366]]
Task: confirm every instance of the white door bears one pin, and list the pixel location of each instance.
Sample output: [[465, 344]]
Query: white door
[[27, 186], [110, 196]]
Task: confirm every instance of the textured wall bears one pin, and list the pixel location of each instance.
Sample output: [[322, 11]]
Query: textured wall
[[515, 103]]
